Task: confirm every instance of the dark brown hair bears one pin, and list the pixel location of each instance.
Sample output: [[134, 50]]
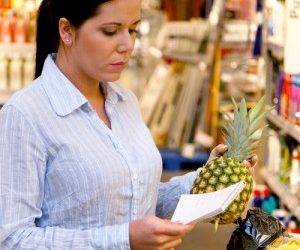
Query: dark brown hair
[[49, 13]]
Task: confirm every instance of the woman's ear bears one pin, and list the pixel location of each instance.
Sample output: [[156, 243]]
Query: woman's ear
[[66, 31]]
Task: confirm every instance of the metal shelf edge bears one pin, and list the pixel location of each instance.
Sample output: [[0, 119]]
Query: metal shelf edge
[[286, 126], [282, 190]]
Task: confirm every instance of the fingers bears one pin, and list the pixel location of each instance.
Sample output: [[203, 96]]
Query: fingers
[[189, 228], [217, 151], [250, 164], [170, 240], [172, 244], [221, 149], [176, 229], [154, 233], [254, 161]]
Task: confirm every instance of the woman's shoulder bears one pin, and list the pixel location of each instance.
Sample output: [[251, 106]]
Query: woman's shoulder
[[27, 97]]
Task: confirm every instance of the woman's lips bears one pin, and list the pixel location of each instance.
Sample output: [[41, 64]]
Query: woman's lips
[[119, 65]]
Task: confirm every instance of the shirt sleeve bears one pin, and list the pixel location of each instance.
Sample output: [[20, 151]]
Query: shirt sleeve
[[23, 160], [170, 192]]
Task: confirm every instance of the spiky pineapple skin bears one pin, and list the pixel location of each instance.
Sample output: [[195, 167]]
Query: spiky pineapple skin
[[219, 174]]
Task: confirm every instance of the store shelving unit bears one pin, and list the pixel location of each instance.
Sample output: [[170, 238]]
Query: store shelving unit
[[291, 200], [193, 58], [283, 191], [9, 49], [192, 91], [284, 125], [208, 117], [17, 47], [276, 49]]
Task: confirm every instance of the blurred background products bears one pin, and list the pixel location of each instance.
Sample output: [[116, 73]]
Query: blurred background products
[[190, 58], [183, 9]]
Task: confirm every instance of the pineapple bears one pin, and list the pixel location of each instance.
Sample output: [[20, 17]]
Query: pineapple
[[241, 134]]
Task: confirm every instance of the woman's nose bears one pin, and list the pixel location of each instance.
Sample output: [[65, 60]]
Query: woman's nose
[[126, 43]]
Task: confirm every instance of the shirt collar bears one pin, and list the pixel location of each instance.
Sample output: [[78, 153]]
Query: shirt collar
[[64, 96], [113, 93]]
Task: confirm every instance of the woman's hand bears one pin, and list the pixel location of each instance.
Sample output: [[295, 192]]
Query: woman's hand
[[250, 164], [217, 151], [220, 149], [153, 233]]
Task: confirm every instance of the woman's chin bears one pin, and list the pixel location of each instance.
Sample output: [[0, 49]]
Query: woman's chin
[[111, 77]]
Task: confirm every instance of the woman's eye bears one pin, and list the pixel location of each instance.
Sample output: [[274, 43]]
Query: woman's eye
[[109, 32], [133, 31], [114, 31]]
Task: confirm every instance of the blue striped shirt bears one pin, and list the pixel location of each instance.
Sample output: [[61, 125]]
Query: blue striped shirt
[[67, 181]]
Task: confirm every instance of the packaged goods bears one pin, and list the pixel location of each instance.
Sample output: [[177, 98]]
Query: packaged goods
[[257, 231]]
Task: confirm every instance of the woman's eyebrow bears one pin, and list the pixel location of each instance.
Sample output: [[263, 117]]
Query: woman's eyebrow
[[120, 24]]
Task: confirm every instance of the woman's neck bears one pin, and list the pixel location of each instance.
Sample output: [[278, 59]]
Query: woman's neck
[[88, 87]]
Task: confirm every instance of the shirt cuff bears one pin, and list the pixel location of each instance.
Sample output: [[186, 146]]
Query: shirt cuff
[[117, 237]]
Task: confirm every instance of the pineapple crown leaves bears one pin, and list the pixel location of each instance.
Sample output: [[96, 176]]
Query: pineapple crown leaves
[[242, 133]]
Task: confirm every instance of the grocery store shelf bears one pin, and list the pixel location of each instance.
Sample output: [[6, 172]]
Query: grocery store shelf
[[282, 191], [237, 44], [285, 126], [276, 49], [192, 58], [17, 47]]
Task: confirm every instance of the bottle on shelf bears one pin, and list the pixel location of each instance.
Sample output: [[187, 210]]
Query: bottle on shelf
[[285, 96], [28, 68], [31, 27], [15, 72], [17, 4], [274, 152], [285, 164], [288, 96], [295, 171], [5, 4], [293, 100], [20, 29], [297, 100], [7, 27], [3, 72]]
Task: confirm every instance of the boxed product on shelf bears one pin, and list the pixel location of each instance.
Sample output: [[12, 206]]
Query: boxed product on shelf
[[288, 95], [275, 22], [259, 230], [182, 36], [256, 231]]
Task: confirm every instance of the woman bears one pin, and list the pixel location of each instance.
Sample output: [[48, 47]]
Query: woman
[[79, 169]]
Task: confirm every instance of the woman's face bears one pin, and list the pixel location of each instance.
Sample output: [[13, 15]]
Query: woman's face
[[103, 43]]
